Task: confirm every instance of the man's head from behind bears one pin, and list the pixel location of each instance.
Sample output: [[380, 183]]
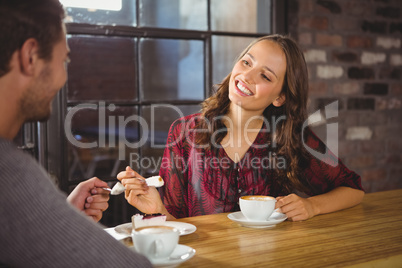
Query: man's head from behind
[[24, 19]]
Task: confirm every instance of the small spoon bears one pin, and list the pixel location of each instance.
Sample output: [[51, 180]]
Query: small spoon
[[118, 188]]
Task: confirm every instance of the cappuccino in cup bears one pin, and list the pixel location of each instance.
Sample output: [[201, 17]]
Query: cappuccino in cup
[[155, 242]]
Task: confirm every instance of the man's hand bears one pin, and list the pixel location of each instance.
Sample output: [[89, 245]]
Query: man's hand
[[90, 198]]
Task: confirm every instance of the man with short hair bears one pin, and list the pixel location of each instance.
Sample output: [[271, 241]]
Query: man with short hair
[[38, 227]]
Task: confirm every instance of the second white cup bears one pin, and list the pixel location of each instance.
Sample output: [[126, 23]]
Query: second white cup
[[257, 207], [155, 242]]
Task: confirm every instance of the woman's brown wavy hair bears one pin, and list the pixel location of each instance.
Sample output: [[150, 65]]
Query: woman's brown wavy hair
[[288, 138]]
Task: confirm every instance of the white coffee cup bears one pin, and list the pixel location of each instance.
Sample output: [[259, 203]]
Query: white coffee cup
[[155, 242], [257, 207]]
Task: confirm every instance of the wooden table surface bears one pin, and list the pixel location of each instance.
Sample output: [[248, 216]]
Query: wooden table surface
[[368, 235]]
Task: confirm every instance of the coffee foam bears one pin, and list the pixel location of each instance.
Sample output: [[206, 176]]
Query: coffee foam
[[257, 197], [154, 230]]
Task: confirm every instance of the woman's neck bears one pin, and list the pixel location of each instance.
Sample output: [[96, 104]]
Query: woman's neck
[[238, 118], [242, 130]]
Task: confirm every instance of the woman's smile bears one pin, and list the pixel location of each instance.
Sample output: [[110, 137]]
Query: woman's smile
[[242, 89]]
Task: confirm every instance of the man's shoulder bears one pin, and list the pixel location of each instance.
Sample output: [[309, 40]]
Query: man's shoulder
[[9, 150], [15, 161]]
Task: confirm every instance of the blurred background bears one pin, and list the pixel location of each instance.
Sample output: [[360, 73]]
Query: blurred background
[[137, 65]]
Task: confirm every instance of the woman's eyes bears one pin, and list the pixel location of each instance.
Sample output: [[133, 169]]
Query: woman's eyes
[[265, 77], [246, 63]]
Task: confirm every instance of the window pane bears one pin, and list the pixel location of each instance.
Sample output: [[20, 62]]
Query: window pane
[[101, 68], [171, 69], [102, 140], [248, 16], [159, 118], [225, 50], [101, 16], [188, 14]]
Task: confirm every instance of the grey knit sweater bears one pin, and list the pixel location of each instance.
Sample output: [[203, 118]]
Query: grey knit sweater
[[38, 228]]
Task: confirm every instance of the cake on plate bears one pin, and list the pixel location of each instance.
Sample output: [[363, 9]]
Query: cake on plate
[[139, 220]]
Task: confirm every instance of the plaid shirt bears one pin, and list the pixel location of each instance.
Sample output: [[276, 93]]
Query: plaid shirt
[[206, 181]]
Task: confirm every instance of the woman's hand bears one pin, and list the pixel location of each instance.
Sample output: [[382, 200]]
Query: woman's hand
[[139, 194], [295, 207], [298, 209]]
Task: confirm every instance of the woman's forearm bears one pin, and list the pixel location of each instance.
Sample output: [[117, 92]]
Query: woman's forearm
[[337, 199]]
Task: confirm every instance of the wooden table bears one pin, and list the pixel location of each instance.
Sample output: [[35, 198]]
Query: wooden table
[[368, 235]]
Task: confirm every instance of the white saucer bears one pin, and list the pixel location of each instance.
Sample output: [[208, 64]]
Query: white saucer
[[183, 227], [180, 254], [274, 219]]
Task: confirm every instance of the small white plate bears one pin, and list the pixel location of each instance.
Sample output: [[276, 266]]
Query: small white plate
[[180, 254], [274, 219], [183, 227]]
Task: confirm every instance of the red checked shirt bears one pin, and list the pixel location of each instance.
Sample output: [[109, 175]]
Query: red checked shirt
[[202, 181]]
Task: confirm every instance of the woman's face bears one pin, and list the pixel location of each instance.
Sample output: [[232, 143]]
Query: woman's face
[[257, 78]]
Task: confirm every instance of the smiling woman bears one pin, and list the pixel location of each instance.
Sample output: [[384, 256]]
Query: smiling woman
[[213, 158]]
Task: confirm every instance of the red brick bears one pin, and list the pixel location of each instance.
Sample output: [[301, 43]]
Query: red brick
[[343, 24], [361, 73], [305, 38], [377, 174], [394, 146], [360, 8], [367, 186], [389, 12], [394, 118], [328, 6], [394, 104], [396, 89], [395, 177], [329, 40], [372, 147], [361, 104], [379, 27], [363, 161], [315, 23], [375, 89], [382, 185], [391, 73], [348, 118], [359, 42], [347, 88], [318, 88], [345, 56], [373, 118], [395, 27], [381, 104], [347, 148], [306, 6], [388, 132], [390, 159]]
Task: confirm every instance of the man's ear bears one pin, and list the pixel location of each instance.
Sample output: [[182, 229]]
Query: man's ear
[[279, 101], [28, 56]]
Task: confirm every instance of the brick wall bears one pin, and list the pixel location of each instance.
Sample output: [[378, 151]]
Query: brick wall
[[354, 54]]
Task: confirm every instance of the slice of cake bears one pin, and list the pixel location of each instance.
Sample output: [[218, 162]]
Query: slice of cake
[[139, 220]]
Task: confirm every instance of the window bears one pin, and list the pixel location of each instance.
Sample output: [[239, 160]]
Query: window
[[135, 68]]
